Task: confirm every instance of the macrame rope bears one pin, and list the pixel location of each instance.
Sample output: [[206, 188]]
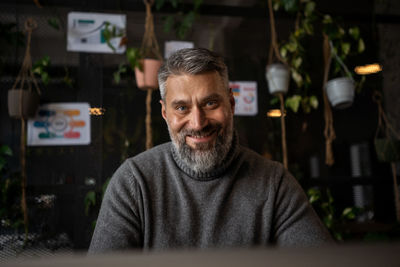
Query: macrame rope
[[150, 49], [150, 46], [25, 75], [274, 51], [283, 128], [329, 131], [274, 48], [24, 206], [386, 127]]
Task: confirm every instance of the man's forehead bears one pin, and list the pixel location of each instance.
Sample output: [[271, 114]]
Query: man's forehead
[[186, 81]]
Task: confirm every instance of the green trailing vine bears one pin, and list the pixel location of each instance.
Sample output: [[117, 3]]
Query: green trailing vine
[[324, 205], [182, 21], [345, 43]]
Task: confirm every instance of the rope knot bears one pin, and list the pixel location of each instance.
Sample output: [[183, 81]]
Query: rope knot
[[30, 25]]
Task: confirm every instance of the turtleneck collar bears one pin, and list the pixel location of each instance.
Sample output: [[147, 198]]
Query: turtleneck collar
[[214, 173]]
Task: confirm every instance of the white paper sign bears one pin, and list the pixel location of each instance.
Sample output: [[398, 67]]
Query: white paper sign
[[245, 94], [172, 46], [58, 124], [85, 32]]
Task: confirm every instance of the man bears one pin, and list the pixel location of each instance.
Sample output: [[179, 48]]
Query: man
[[202, 190]]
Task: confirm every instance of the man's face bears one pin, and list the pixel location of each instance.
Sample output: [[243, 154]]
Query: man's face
[[198, 110]]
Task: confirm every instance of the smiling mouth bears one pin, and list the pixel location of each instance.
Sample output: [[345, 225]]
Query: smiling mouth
[[200, 138]]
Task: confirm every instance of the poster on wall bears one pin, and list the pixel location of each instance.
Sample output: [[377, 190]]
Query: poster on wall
[[59, 124], [245, 94], [96, 32]]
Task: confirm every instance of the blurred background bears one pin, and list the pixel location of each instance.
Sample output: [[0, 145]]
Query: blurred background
[[355, 196]]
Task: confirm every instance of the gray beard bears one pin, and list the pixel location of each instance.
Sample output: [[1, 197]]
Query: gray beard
[[205, 158]]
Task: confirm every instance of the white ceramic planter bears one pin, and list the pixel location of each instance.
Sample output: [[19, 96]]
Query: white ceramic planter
[[278, 77], [340, 92]]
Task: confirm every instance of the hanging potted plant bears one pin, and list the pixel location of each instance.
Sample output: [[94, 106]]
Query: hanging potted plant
[[23, 99], [341, 89], [148, 59], [22, 104], [387, 147], [278, 76], [294, 53]]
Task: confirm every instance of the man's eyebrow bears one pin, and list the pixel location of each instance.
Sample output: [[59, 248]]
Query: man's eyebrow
[[179, 102], [214, 96]]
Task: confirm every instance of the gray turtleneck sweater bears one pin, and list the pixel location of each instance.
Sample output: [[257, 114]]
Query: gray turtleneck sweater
[[154, 201]]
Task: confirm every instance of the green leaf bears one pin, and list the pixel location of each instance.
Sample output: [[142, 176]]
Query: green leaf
[[346, 48], [297, 78], [54, 22], [90, 200], [328, 221], [290, 5], [354, 32], [361, 45], [5, 150], [274, 101], [117, 77], [308, 27], [293, 103], [341, 32], [186, 24], [283, 52], [169, 23], [291, 46], [297, 62], [327, 19], [314, 102], [159, 4], [133, 56], [309, 9], [276, 6], [45, 78], [349, 213]]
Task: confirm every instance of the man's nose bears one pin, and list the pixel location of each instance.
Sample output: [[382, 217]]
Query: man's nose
[[197, 119]]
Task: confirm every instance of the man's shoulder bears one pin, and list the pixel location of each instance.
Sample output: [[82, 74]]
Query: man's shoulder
[[252, 156], [156, 151], [151, 157], [262, 165]]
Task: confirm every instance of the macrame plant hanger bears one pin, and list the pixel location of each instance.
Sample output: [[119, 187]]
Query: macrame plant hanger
[[25, 78], [388, 131], [149, 48], [329, 131], [274, 51]]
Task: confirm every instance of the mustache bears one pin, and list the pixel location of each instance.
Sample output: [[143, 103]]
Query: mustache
[[208, 129]]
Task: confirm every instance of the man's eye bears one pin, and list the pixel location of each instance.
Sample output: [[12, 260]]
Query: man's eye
[[181, 108], [211, 103]]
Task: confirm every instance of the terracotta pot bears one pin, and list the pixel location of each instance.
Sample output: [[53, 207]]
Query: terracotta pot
[[147, 79], [278, 78], [30, 103], [340, 92]]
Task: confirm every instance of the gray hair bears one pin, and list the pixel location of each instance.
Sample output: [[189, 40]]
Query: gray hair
[[192, 61]]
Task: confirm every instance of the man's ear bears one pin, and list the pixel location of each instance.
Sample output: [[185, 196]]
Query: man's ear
[[163, 112]]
